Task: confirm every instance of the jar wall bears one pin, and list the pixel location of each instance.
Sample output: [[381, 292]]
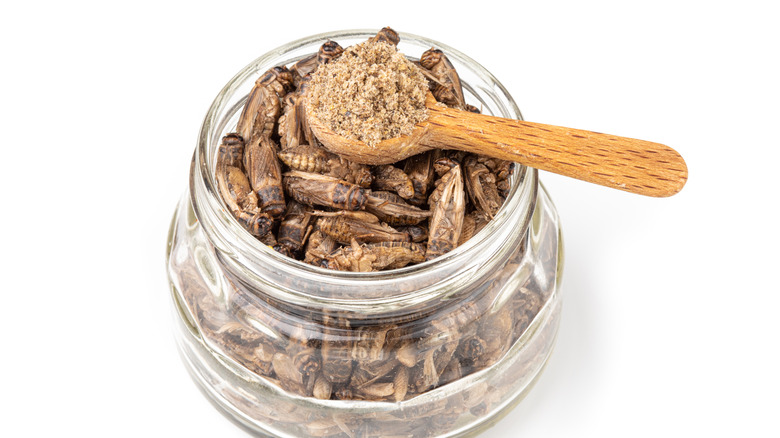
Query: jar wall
[[438, 349]]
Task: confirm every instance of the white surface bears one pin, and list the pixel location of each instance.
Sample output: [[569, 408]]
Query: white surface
[[670, 323]]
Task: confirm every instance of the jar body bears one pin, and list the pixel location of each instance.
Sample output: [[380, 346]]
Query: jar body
[[439, 349]]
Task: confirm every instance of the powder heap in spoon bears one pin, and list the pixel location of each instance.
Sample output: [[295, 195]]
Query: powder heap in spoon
[[370, 93]]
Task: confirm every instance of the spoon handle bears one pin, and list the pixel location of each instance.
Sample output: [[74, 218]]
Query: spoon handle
[[635, 166]]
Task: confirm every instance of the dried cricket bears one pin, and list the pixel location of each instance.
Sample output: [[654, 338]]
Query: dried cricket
[[472, 109], [386, 35], [295, 226], [502, 169], [236, 190], [495, 329], [269, 239], [481, 186], [451, 372], [393, 210], [327, 52], [293, 128], [472, 224], [344, 226], [424, 376], [265, 175], [447, 88], [335, 350], [447, 220], [368, 373], [377, 391], [263, 105], [231, 151], [419, 169], [318, 247], [375, 256], [315, 189], [400, 384], [389, 177], [444, 163], [289, 378], [417, 233], [369, 342], [322, 388], [308, 158]]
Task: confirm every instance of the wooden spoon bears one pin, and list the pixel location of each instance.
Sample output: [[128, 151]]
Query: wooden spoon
[[636, 166]]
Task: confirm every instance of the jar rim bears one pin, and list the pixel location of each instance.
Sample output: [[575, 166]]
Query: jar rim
[[245, 253]]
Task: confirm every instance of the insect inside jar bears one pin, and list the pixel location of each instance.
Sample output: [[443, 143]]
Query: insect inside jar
[[367, 207]]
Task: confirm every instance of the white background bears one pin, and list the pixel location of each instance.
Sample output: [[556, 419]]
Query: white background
[[670, 323]]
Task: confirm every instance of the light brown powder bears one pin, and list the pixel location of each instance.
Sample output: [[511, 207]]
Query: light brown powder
[[370, 93]]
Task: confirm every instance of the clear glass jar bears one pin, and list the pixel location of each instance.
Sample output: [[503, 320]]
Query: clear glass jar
[[441, 348]]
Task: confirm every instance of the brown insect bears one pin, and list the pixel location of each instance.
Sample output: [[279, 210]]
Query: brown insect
[[447, 88], [318, 247], [322, 388], [407, 353], [443, 164], [417, 233], [446, 222], [401, 383], [315, 189], [235, 189], [472, 109], [503, 171], [386, 35], [471, 349], [293, 128], [389, 177], [424, 376], [269, 239], [451, 372], [494, 329], [368, 347], [231, 151], [335, 350], [308, 158], [234, 185], [265, 175], [344, 226], [419, 169], [472, 224], [481, 186], [295, 226], [375, 256], [284, 250], [290, 379], [352, 258], [244, 343], [329, 51], [263, 105], [393, 210]]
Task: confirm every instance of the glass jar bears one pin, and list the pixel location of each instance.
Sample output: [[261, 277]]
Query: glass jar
[[441, 348]]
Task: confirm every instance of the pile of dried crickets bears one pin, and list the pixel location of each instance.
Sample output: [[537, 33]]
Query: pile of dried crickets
[[315, 206]]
